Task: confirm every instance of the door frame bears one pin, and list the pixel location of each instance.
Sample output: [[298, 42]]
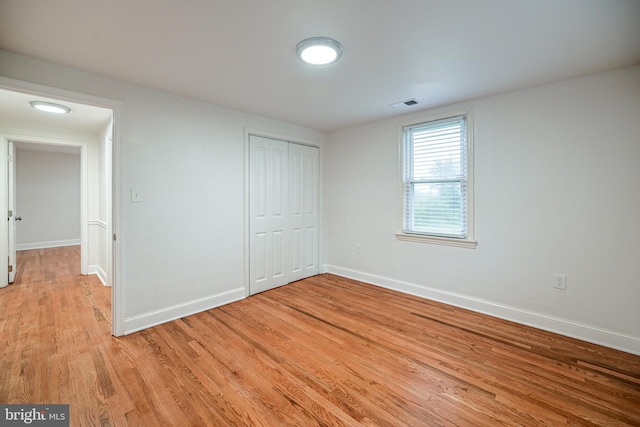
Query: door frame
[[4, 207], [114, 213], [247, 234], [11, 193], [84, 199]]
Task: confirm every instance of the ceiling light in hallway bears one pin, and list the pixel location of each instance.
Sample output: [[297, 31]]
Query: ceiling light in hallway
[[50, 107], [319, 51]]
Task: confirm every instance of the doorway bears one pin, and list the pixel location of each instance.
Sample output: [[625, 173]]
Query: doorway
[[90, 129], [45, 201]]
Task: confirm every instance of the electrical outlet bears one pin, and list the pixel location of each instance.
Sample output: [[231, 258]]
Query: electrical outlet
[[358, 248], [560, 281], [136, 195]]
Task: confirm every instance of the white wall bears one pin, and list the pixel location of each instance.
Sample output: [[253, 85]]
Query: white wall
[[182, 248], [556, 190], [47, 199]]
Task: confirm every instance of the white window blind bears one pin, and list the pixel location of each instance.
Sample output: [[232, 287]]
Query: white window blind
[[435, 178]]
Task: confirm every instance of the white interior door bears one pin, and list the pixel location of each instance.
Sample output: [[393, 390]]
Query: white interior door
[[13, 218], [303, 202], [268, 210], [4, 206]]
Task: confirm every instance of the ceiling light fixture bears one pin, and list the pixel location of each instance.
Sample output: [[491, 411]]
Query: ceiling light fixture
[[50, 107], [319, 51]]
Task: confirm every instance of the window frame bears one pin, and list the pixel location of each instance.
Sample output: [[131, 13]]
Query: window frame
[[469, 241]]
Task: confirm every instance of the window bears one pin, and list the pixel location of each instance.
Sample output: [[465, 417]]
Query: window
[[437, 181]]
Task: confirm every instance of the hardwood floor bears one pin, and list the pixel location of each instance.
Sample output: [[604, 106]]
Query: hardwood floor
[[324, 351]]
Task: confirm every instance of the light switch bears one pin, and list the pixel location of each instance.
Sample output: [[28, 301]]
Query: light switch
[[136, 195]]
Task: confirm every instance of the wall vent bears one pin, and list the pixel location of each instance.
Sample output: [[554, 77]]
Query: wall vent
[[405, 104]]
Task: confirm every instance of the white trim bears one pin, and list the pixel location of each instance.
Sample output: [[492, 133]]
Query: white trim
[[157, 317], [281, 137], [115, 255], [459, 243], [97, 222], [98, 271], [581, 331], [4, 207], [246, 216], [49, 244]]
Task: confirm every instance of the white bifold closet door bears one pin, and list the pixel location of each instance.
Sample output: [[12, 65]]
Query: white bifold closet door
[[303, 210], [283, 210]]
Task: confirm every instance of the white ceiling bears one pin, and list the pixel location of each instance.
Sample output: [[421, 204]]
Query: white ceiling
[[49, 148], [15, 108], [240, 53]]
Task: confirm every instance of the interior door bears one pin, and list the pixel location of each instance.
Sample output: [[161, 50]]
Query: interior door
[[13, 219], [4, 206], [303, 202], [268, 214]]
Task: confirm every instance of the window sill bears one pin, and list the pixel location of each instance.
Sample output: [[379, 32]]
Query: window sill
[[459, 243]]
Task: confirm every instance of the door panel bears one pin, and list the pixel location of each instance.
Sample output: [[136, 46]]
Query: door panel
[[277, 254], [296, 219], [311, 182], [268, 205], [311, 213], [311, 256], [279, 207], [260, 251], [303, 186]]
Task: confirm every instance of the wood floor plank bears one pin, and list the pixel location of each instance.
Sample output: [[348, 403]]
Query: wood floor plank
[[324, 351]]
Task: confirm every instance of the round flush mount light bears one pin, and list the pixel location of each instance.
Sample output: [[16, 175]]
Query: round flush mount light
[[319, 51], [50, 107]]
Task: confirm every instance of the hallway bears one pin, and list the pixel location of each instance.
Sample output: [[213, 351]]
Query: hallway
[[52, 332]]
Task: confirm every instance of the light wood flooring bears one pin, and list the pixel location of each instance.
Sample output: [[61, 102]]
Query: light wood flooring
[[325, 351]]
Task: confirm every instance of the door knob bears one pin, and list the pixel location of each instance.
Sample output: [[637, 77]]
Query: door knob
[[18, 218]]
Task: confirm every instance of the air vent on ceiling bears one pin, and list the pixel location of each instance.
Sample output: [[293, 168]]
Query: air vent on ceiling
[[405, 104]]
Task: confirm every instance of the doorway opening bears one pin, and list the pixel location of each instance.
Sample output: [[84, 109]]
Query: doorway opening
[[45, 201], [86, 132]]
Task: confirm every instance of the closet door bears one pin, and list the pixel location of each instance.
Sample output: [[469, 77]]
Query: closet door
[[269, 254], [283, 212], [303, 202]]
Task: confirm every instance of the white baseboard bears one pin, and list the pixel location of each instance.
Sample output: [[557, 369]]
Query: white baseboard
[[98, 271], [153, 318], [589, 333], [45, 245]]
